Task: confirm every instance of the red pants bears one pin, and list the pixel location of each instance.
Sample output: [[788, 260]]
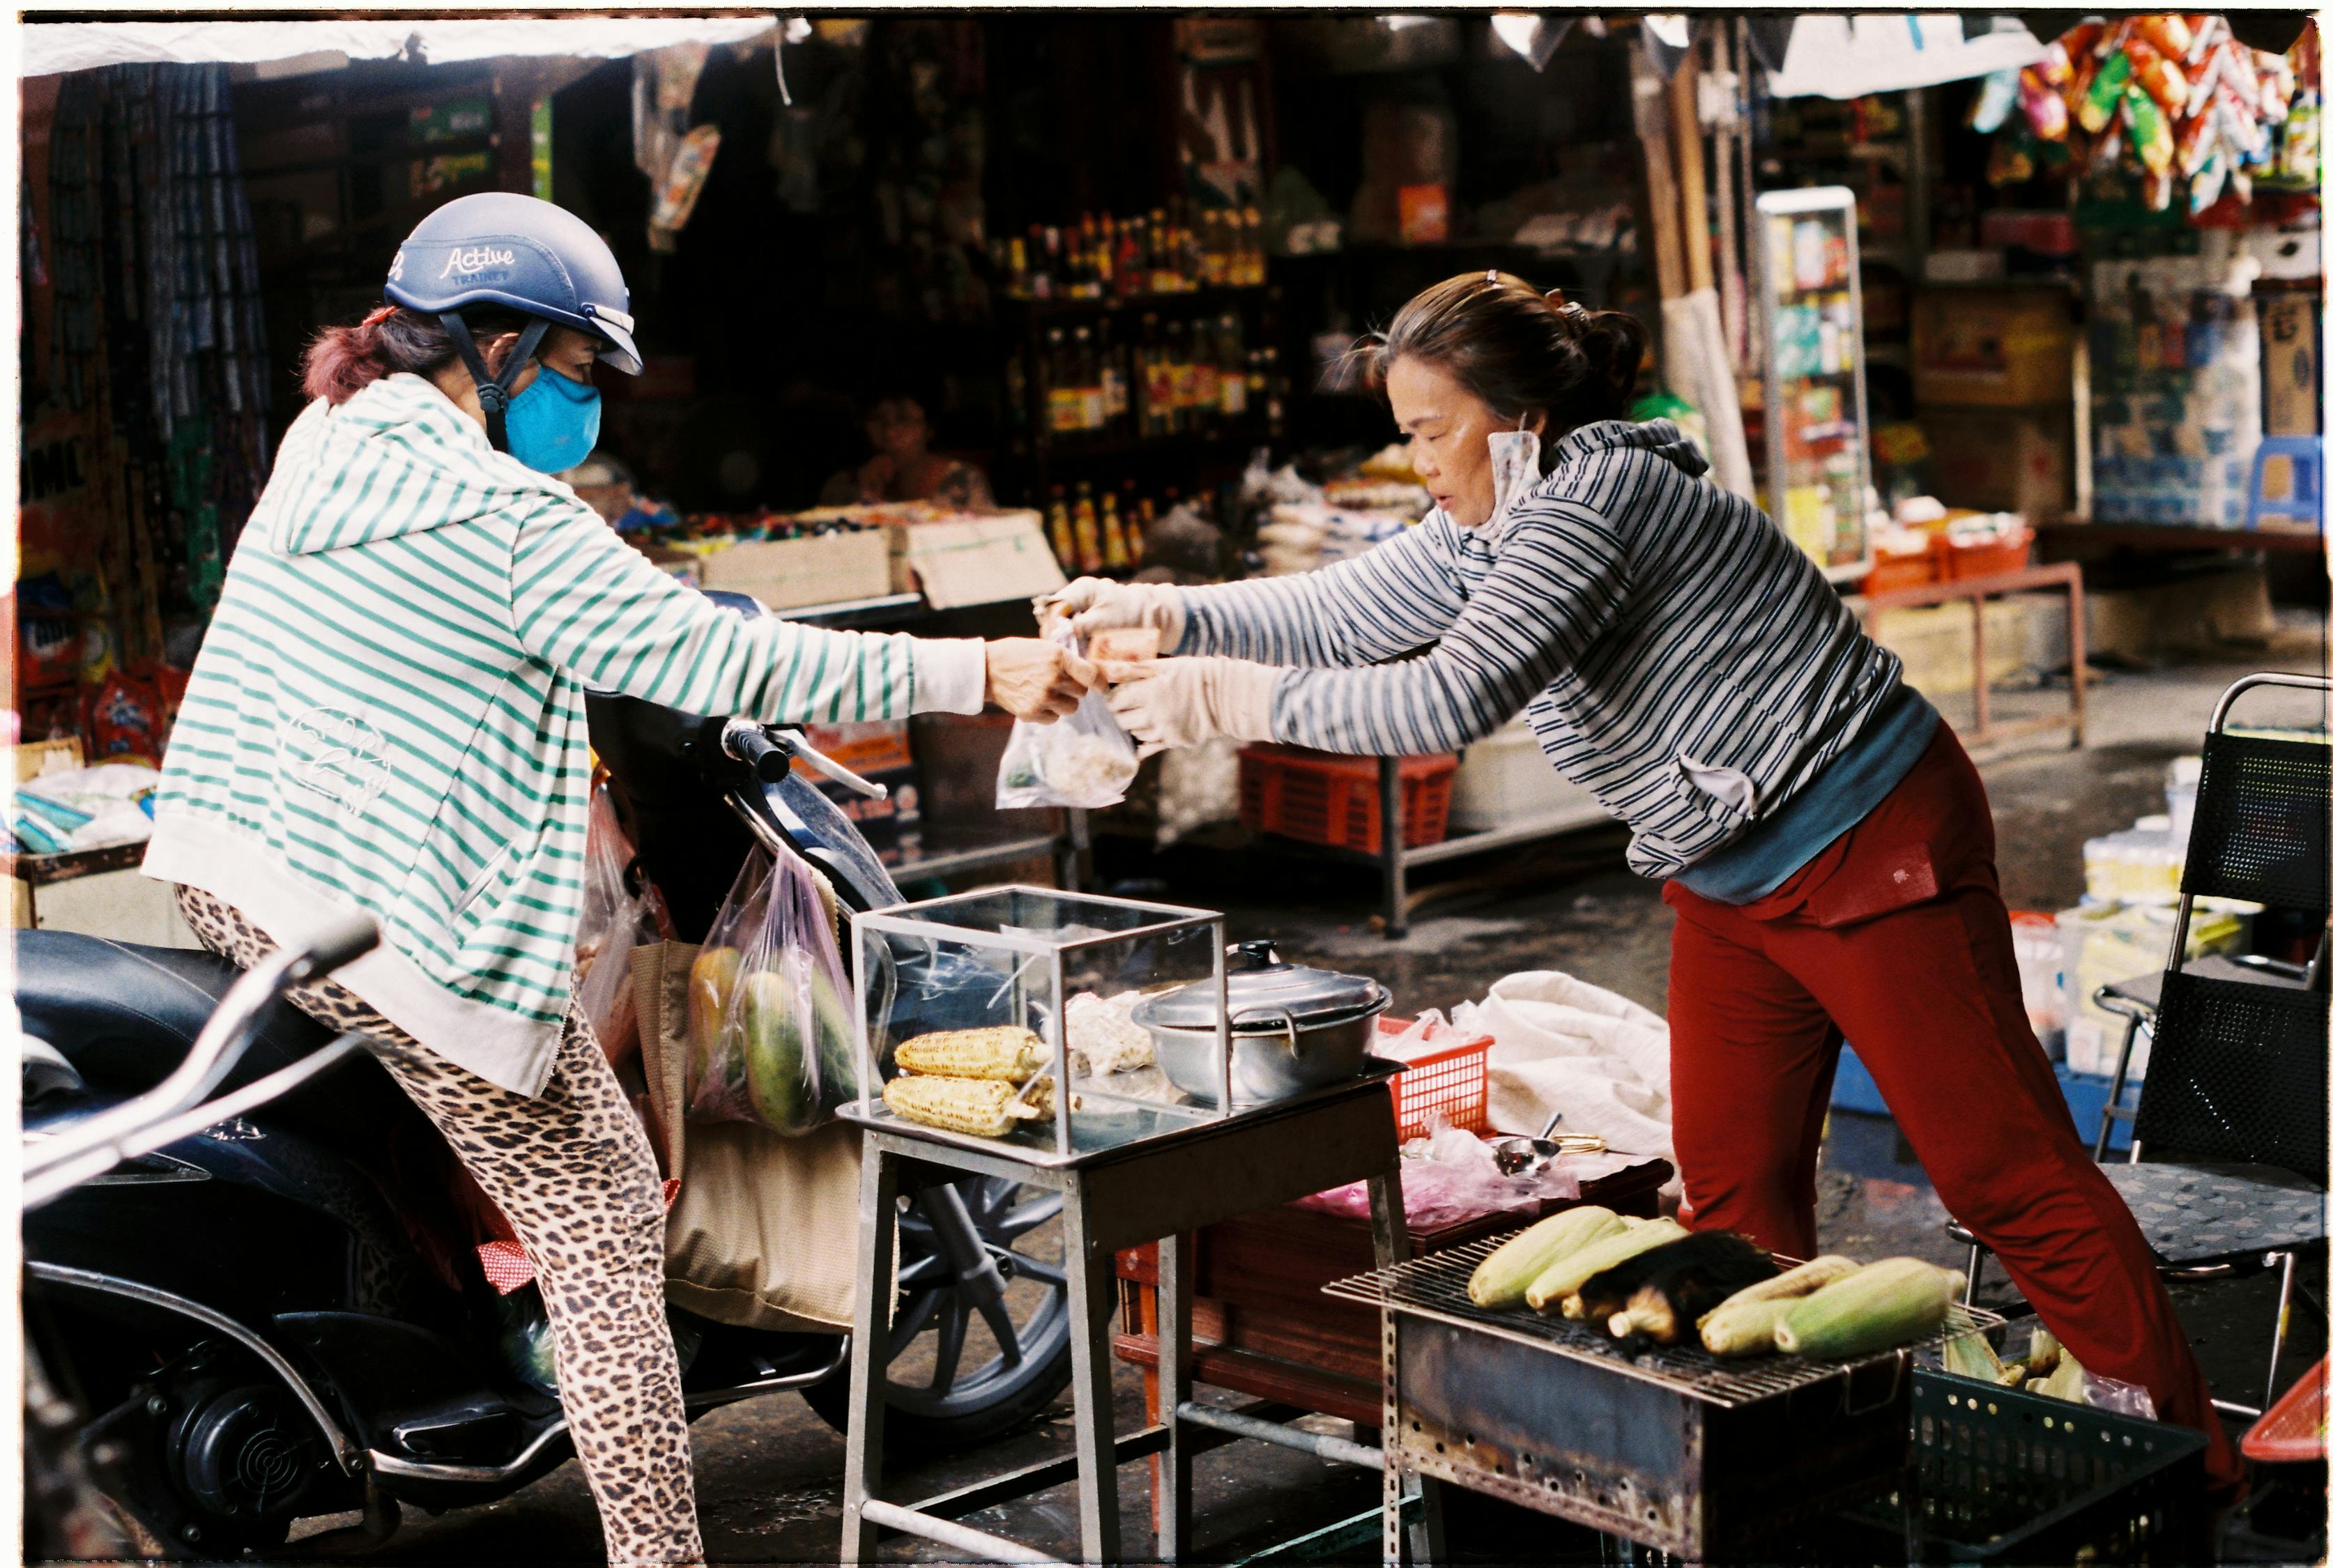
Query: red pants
[[1895, 937]]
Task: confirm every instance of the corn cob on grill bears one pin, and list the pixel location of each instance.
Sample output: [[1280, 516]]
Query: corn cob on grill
[[982, 1108], [1004, 1053]]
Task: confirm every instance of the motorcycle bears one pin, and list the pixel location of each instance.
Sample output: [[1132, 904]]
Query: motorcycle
[[278, 1316]]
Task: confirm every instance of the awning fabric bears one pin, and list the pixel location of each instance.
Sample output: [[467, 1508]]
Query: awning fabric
[[1837, 56], [54, 46]]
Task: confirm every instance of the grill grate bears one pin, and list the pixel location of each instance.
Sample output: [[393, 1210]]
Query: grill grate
[[1436, 1286]]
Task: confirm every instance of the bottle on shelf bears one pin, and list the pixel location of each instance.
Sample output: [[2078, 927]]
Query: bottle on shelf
[[1115, 402], [1206, 388], [1115, 555], [1088, 377], [1181, 381], [1059, 533], [1230, 375], [1086, 528], [1062, 400]]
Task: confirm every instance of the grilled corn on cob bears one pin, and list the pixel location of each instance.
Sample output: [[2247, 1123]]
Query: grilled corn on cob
[[1740, 1328], [983, 1108], [1500, 1279], [1892, 1302], [1003, 1053], [1791, 1283], [1568, 1274], [1967, 1351]]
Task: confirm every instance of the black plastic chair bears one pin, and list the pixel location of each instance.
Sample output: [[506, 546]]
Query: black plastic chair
[[2234, 1098]]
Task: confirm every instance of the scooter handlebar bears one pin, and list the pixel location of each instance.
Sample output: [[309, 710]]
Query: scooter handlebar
[[349, 937]]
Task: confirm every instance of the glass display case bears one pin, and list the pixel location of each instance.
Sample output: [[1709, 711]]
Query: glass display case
[[1818, 430], [1045, 960]]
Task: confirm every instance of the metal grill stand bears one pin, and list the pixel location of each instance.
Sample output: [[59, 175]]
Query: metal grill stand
[[1671, 1448], [1157, 1188]]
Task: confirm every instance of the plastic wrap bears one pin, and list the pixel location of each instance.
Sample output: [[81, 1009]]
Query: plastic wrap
[[1083, 760], [621, 910], [770, 1036], [1450, 1178]]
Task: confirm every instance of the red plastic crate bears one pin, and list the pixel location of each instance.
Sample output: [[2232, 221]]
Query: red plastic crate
[[2292, 1433], [1890, 571], [1321, 797], [1983, 560], [1452, 1079]]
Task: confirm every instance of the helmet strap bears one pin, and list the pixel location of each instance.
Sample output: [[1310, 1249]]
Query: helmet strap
[[493, 391]]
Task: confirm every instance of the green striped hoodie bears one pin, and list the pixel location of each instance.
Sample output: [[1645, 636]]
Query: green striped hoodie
[[387, 712]]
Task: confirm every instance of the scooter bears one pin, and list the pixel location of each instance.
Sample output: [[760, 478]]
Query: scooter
[[278, 1316]]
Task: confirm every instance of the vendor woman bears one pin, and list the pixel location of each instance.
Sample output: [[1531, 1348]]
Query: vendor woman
[[387, 716], [1823, 839]]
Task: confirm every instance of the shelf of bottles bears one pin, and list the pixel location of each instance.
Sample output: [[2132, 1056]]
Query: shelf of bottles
[[1818, 458], [1141, 336]]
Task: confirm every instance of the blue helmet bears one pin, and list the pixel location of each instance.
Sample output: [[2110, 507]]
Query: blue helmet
[[497, 248]]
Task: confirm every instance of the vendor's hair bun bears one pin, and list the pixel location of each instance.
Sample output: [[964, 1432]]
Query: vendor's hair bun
[[1519, 351]]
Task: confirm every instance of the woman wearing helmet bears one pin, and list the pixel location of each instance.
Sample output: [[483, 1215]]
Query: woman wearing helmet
[[388, 715]]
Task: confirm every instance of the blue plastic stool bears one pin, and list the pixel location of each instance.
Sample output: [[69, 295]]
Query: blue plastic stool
[[2287, 486]]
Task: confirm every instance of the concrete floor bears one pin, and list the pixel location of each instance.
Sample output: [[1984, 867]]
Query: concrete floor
[[769, 1472]]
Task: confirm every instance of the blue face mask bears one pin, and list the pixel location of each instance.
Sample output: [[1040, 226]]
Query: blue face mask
[[553, 425]]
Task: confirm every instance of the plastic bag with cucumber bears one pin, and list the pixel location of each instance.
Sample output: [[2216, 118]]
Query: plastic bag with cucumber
[[770, 1039]]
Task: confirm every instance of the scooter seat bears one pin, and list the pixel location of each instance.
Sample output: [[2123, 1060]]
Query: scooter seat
[[124, 1015]]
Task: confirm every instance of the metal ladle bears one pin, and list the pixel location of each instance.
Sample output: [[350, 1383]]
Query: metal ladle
[[1516, 1155]]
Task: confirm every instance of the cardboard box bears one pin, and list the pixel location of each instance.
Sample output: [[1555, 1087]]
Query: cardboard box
[[974, 560], [2292, 352], [876, 746], [2019, 462], [1987, 348], [786, 574]]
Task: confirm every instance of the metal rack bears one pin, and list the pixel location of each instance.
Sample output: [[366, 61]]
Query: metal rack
[[1665, 1446]]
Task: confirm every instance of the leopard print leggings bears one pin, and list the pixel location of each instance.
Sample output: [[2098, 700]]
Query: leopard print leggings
[[572, 1171]]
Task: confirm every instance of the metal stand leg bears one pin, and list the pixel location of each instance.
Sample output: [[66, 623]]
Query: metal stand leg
[[1389, 846], [1389, 1233], [1975, 1271], [1173, 1468], [862, 1465], [2107, 1117], [1092, 1295], [2283, 1322]]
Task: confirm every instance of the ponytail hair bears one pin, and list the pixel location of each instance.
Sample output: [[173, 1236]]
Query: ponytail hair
[[342, 361], [1520, 352]]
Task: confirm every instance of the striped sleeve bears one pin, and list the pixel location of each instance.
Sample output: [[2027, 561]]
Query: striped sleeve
[[586, 603], [1400, 596], [1560, 578]]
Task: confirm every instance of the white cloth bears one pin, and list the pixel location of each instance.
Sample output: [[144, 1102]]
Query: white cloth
[[1560, 1044], [951, 675]]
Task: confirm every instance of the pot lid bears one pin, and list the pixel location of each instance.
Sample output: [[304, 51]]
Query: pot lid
[[1260, 986]]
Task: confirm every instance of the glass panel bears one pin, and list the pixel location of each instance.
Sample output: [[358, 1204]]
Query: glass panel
[[953, 972], [1039, 912]]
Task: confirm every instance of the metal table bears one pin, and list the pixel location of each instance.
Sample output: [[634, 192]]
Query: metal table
[[1157, 1175]]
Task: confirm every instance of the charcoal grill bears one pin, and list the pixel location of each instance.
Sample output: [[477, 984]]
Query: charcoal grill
[[1670, 1447]]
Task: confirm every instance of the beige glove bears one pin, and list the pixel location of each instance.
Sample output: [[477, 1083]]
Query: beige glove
[[1169, 703], [1096, 604]]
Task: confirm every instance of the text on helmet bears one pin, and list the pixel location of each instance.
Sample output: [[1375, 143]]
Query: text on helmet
[[476, 258]]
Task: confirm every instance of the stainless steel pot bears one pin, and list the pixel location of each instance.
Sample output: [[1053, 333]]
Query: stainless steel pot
[[1293, 1029]]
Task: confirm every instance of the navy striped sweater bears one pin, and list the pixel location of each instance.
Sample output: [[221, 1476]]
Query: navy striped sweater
[[1673, 652]]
